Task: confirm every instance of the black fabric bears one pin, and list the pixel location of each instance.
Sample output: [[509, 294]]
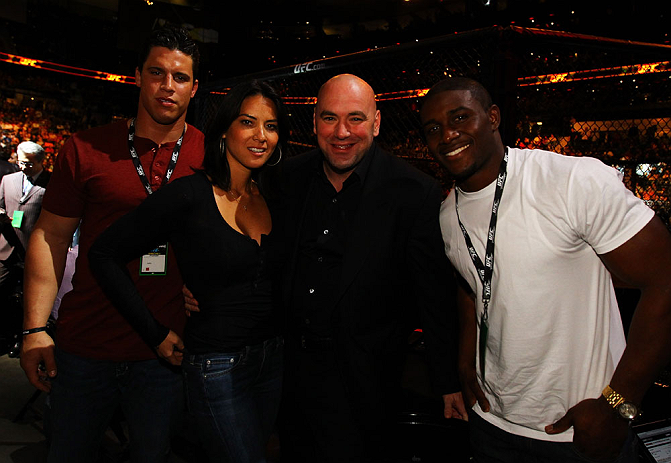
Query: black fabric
[[394, 277], [321, 247], [228, 273]]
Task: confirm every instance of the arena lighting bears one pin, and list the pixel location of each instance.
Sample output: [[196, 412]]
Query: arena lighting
[[310, 100], [602, 73], [417, 93], [62, 68]]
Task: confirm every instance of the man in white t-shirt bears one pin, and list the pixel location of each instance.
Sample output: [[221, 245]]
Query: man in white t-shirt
[[535, 237]]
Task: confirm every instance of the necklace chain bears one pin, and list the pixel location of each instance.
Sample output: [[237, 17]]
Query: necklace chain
[[237, 198]]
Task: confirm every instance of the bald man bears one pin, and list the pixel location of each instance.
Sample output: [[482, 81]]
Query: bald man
[[365, 267]]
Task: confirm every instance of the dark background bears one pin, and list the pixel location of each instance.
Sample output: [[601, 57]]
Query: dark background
[[239, 37]]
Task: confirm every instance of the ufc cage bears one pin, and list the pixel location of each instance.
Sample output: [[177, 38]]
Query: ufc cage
[[574, 94]]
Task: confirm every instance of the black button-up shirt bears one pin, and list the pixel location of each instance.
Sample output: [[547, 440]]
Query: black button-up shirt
[[322, 243]]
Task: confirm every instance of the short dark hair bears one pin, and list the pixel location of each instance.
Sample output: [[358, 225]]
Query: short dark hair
[[478, 91], [215, 163], [172, 38]]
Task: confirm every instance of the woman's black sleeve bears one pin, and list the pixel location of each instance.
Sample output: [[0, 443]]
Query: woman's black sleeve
[[131, 236]]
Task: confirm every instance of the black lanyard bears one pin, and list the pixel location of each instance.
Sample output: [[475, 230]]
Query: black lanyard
[[485, 270], [138, 165]]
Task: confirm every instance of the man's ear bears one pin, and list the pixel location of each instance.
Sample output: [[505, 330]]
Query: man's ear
[[138, 77], [494, 117], [376, 123]]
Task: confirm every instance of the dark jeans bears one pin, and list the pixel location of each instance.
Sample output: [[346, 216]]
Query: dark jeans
[[85, 394], [493, 445], [234, 398]]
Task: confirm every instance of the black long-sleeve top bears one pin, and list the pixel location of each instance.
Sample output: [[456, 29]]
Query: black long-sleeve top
[[228, 273]]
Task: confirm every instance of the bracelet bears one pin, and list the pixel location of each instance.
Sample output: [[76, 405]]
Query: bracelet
[[33, 330]]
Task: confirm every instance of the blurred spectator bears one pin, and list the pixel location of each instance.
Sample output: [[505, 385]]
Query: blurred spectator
[[20, 205]]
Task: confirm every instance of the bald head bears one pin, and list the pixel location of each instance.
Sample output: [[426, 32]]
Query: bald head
[[347, 83], [346, 120]]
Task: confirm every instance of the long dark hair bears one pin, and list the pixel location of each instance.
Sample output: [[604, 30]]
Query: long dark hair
[[215, 163]]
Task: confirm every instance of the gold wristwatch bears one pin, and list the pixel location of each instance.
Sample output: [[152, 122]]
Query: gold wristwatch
[[626, 410]]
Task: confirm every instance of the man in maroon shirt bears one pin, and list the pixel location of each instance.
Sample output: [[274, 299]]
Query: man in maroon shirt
[[99, 362]]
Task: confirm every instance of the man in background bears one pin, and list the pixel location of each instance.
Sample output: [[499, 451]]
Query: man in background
[[20, 205], [6, 167]]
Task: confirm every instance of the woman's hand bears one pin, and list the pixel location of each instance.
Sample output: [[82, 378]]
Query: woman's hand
[[171, 349]]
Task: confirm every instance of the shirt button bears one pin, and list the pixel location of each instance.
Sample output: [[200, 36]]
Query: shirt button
[[326, 232], [311, 290], [335, 200], [307, 321], [157, 178], [320, 259]]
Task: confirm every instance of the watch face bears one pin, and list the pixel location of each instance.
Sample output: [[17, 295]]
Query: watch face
[[627, 410]]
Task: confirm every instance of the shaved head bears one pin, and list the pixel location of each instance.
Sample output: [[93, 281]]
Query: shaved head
[[346, 120], [344, 82]]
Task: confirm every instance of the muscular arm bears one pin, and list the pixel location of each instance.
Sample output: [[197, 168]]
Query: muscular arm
[[642, 262], [45, 264]]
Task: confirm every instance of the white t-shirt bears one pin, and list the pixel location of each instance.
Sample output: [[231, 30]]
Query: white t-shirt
[[555, 332]]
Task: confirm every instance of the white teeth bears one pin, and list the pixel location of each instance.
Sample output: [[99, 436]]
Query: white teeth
[[457, 151], [257, 150]]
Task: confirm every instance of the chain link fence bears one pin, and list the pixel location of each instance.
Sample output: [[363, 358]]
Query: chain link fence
[[573, 94]]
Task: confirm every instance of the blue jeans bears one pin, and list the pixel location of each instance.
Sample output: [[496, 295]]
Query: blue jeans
[[234, 399], [85, 394], [493, 445]]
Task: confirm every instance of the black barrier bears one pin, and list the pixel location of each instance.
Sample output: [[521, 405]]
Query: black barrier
[[574, 94]]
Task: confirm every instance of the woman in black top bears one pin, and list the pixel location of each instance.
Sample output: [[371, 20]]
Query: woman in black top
[[218, 224]]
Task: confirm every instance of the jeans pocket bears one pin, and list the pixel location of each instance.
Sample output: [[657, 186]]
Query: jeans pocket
[[221, 364]]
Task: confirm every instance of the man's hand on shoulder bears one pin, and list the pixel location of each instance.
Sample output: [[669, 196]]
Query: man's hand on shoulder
[[37, 360], [597, 430]]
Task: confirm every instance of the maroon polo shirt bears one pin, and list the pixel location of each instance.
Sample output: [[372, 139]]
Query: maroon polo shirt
[[94, 178]]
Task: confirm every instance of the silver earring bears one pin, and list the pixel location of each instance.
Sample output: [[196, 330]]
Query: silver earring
[[222, 145], [278, 159]]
